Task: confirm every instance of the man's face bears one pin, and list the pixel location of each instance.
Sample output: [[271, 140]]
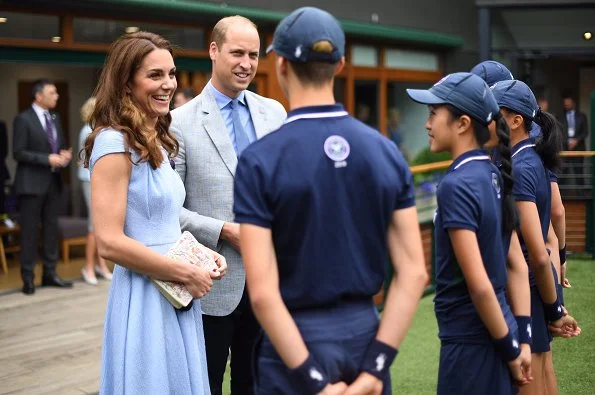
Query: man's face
[[48, 97], [568, 104], [544, 105], [236, 61], [180, 99]]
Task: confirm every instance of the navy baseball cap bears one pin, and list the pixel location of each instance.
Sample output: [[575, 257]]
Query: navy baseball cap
[[297, 35], [516, 96], [465, 91], [491, 72]]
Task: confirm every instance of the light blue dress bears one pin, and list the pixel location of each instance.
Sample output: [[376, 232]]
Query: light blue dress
[[149, 347]]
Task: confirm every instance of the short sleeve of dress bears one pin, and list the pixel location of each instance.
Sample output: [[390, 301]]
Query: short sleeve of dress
[[108, 141]]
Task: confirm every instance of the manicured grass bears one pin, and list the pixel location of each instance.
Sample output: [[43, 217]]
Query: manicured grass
[[574, 359], [416, 369]]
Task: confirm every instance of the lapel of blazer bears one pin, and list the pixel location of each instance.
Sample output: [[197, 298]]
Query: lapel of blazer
[[258, 115], [35, 121], [215, 128], [38, 126]]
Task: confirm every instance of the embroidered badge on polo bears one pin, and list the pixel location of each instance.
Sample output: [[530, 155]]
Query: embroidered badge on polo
[[337, 149], [496, 183]]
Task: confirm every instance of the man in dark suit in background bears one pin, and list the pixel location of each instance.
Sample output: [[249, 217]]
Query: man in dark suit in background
[[3, 169], [574, 132], [40, 151]]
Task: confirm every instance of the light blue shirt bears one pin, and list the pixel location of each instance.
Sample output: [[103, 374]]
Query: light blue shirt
[[223, 102]]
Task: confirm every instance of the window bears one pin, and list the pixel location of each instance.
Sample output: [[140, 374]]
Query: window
[[29, 26], [362, 55], [411, 60], [406, 118], [90, 30]]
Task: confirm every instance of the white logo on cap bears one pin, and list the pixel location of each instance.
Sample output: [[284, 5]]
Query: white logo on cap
[[298, 51], [489, 118], [337, 149], [442, 80]]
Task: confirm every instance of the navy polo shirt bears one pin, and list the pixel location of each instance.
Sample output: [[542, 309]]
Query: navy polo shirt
[[532, 184], [469, 197], [327, 186]]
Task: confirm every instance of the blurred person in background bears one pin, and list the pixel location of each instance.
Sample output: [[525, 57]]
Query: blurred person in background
[[183, 96], [95, 265], [39, 148]]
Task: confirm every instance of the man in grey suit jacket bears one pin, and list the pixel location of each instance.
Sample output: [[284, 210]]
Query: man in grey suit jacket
[[213, 129]]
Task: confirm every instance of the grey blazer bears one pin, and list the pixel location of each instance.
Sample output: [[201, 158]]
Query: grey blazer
[[207, 163]]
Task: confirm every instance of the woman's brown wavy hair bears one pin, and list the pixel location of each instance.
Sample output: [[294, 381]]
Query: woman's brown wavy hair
[[116, 109]]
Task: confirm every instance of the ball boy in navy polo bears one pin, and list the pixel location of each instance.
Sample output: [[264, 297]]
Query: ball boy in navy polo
[[480, 351], [531, 161], [322, 202]]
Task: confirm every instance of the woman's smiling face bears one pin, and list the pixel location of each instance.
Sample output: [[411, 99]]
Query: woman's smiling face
[[154, 83]]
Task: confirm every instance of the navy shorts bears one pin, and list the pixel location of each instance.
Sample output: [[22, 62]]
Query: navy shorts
[[469, 368], [336, 337]]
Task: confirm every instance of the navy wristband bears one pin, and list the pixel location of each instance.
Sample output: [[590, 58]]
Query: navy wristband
[[525, 330], [563, 255], [311, 375], [553, 312], [378, 358], [508, 347]]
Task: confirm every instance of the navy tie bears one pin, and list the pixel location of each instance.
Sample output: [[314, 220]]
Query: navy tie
[[238, 130], [49, 130]]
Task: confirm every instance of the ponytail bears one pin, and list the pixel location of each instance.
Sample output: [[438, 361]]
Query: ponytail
[[549, 145], [509, 212]]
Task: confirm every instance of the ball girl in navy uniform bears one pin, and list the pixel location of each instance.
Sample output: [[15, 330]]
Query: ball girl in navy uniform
[[517, 288], [493, 72], [532, 193], [480, 351], [322, 202]]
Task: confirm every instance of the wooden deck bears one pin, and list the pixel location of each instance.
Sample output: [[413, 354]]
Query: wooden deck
[[50, 342]]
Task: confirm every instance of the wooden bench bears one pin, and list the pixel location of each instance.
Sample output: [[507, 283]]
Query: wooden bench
[[5, 230]]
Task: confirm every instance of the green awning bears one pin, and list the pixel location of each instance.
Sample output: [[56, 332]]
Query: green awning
[[82, 58], [199, 8]]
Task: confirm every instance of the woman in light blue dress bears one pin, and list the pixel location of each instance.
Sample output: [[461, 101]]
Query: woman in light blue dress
[[149, 347]]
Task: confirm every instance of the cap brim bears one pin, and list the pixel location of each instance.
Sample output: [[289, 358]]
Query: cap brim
[[424, 96]]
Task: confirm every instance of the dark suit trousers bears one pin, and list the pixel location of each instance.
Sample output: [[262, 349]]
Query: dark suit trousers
[[35, 210], [239, 331]]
